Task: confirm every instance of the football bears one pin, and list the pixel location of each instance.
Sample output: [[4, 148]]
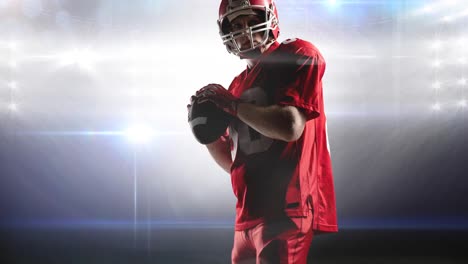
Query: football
[[207, 121]]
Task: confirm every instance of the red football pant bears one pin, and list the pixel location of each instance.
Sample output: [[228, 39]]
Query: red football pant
[[283, 242]]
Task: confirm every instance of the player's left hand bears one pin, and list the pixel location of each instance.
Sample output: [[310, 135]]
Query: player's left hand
[[220, 97]]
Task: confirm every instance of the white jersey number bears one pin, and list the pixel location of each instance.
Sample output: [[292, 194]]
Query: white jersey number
[[245, 138], [289, 41]]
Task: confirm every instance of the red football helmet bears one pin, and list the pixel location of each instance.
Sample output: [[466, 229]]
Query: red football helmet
[[229, 9]]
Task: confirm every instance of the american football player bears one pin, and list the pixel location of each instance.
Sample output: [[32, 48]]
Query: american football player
[[276, 148]]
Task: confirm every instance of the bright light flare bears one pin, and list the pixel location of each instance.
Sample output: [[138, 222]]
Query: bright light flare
[[13, 45], [139, 134], [436, 45], [84, 59], [13, 107], [436, 107], [13, 85], [462, 41], [427, 9], [455, 16], [462, 81], [448, 19], [436, 7], [463, 103], [437, 85], [13, 64]]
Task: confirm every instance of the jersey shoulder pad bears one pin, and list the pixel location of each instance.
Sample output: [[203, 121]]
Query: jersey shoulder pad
[[299, 46]]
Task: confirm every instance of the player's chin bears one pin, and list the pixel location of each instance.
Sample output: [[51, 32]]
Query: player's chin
[[251, 54]]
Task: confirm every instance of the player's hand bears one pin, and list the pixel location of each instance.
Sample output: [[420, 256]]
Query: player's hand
[[189, 106], [221, 97]]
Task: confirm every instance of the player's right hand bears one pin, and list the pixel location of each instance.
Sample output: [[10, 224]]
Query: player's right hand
[[221, 97], [189, 106]]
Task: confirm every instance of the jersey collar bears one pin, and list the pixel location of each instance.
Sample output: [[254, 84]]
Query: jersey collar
[[272, 48]]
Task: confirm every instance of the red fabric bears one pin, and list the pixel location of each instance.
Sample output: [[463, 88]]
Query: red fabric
[[273, 178], [284, 242]]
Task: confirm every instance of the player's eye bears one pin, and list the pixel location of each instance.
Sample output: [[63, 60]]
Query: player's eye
[[236, 27], [254, 23]]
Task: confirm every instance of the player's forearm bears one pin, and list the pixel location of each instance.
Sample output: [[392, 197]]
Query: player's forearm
[[279, 122], [221, 152]]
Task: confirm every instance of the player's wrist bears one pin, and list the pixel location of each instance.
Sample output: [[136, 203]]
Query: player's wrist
[[235, 105]]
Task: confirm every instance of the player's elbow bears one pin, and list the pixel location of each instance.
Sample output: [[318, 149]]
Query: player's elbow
[[294, 126], [294, 132]]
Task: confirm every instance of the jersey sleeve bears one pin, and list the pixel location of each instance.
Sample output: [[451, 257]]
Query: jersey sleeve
[[305, 91]]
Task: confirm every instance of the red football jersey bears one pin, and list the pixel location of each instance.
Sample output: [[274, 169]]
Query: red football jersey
[[272, 178]]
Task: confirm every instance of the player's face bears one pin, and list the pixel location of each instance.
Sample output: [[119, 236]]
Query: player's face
[[244, 22]]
